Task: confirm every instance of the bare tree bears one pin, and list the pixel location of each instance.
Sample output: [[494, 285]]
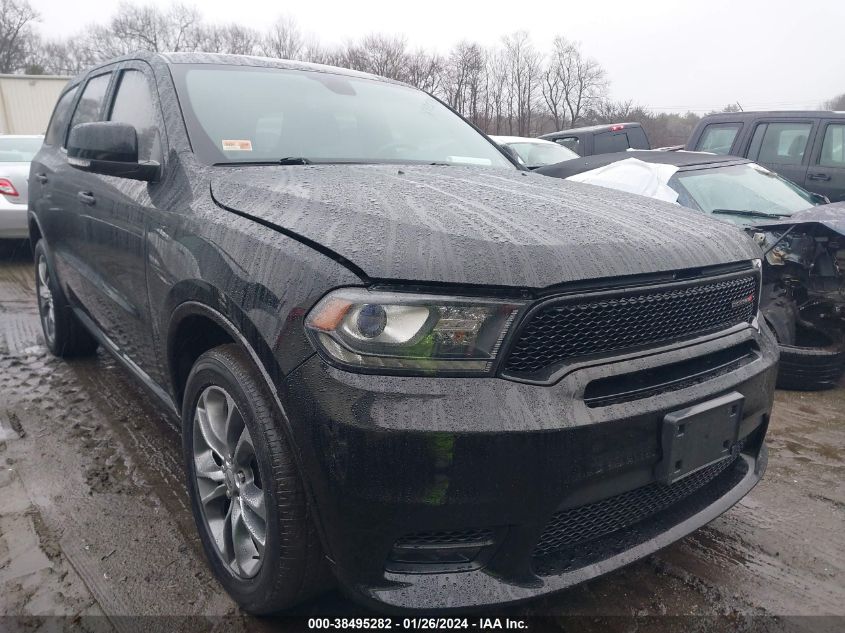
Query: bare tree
[[68, 57], [497, 81], [379, 54], [553, 94], [284, 40], [837, 103], [232, 38], [609, 111], [16, 34], [425, 70], [573, 83], [465, 81], [523, 65], [136, 27]]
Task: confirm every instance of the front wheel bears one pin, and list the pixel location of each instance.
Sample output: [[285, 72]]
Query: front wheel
[[246, 493]]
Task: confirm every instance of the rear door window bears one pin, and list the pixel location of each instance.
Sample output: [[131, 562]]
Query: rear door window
[[570, 142], [609, 142], [91, 102], [57, 130], [780, 143], [833, 146], [718, 138]]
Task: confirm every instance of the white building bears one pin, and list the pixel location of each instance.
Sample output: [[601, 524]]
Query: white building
[[26, 102]]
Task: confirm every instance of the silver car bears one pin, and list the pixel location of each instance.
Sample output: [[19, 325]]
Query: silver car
[[16, 152]]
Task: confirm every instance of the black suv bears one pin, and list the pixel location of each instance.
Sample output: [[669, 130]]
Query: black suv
[[400, 361], [601, 139], [807, 147]]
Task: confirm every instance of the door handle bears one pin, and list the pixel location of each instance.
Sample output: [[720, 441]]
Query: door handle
[[818, 177], [42, 178], [86, 197]]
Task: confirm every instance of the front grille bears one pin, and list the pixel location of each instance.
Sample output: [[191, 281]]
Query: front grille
[[586, 326], [570, 528], [480, 536]]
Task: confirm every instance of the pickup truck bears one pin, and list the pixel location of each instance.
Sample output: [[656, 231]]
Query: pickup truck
[[806, 147], [601, 139]]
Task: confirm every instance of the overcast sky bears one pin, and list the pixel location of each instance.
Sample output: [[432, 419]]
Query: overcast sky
[[666, 55]]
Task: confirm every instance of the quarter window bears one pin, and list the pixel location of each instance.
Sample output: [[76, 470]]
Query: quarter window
[[833, 147], [718, 138], [57, 130], [134, 104], [91, 103], [781, 143]]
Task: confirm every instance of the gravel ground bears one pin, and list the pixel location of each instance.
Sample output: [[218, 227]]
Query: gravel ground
[[95, 520]]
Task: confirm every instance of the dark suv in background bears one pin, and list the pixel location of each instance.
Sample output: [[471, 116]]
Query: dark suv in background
[[601, 139], [387, 372], [806, 147]]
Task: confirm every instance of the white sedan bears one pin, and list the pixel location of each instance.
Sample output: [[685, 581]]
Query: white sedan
[[535, 152], [16, 152]]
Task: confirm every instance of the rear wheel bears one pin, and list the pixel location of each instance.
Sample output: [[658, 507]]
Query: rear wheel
[[64, 335], [246, 493], [815, 362]]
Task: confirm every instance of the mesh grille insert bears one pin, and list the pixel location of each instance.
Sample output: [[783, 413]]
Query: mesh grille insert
[[572, 328], [447, 537], [572, 527]]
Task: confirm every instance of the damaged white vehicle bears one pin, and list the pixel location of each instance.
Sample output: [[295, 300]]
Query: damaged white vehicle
[[802, 237]]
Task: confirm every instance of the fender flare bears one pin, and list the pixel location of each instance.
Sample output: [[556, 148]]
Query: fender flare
[[192, 308]]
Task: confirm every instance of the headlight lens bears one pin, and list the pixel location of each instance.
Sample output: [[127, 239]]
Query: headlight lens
[[411, 333]]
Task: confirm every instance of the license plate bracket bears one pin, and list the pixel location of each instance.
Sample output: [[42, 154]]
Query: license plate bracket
[[698, 436]]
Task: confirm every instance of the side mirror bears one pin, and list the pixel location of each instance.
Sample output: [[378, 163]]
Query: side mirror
[[109, 148], [511, 153], [819, 198]]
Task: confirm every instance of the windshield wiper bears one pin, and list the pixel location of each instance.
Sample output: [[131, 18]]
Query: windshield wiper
[[749, 213], [287, 160]]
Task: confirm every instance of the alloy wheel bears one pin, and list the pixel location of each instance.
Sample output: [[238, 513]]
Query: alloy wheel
[[46, 306], [228, 482]]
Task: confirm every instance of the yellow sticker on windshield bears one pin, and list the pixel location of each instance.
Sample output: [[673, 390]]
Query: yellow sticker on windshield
[[237, 145]]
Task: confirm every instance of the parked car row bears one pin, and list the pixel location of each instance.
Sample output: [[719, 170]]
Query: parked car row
[[402, 361]]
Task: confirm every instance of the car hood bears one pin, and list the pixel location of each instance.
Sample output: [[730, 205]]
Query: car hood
[[830, 215], [480, 226]]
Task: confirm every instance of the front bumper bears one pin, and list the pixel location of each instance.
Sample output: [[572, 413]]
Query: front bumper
[[387, 457], [13, 220]]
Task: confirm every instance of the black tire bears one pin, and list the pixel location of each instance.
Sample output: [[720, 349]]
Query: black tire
[[816, 362], [67, 337], [293, 567]]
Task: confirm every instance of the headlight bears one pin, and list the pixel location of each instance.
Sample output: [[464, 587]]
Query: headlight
[[410, 333]]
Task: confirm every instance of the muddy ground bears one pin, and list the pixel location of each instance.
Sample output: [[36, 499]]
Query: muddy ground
[[94, 517]]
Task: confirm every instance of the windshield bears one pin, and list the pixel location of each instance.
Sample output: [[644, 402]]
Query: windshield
[[20, 149], [539, 154], [745, 187], [251, 114]]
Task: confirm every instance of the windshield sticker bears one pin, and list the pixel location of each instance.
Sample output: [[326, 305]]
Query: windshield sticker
[[469, 160], [237, 145]]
